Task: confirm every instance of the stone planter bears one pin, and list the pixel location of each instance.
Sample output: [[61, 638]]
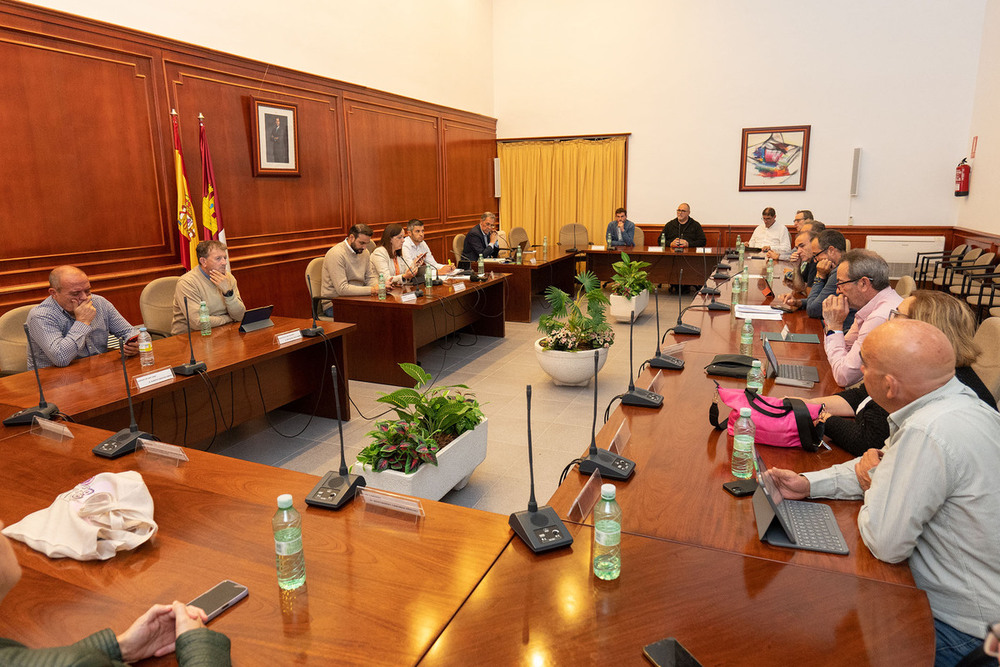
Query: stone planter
[[571, 369], [456, 462], [621, 308]]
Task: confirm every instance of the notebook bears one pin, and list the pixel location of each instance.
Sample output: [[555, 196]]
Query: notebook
[[793, 523], [789, 374]]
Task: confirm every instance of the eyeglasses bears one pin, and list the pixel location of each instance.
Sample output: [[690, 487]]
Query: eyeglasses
[[841, 283], [895, 313]]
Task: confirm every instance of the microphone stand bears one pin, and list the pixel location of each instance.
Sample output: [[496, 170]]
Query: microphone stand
[[610, 465]]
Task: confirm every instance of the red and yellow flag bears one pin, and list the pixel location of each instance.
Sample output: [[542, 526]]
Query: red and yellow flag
[[211, 215], [187, 226]]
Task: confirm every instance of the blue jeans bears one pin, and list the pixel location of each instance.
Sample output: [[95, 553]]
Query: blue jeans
[[328, 311], [951, 645]]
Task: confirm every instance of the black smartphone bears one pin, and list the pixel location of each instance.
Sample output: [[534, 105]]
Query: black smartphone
[[669, 653], [219, 598], [741, 487]]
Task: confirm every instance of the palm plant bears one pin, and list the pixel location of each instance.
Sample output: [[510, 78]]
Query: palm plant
[[576, 323]]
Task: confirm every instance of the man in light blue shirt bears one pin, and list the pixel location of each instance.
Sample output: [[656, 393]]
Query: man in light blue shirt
[[621, 230]]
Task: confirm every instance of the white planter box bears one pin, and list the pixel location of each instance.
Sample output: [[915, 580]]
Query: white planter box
[[571, 369], [621, 308], [456, 462]]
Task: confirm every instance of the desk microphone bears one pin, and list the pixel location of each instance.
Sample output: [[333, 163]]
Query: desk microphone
[[662, 360], [311, 332], [43, 410], [640, 398], [336, 489], [680, 327], [126, 440], [191, 367], [610, 465], [541, 529]]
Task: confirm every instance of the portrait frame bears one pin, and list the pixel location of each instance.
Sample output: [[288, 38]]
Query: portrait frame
[[774, 158], [275, 138]]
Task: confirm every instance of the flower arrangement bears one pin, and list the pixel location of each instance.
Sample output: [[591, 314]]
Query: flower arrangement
[[576, 323], [399, 446], [630, 277]]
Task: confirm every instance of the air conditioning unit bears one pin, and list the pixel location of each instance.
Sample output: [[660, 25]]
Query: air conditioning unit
[[901, 251]]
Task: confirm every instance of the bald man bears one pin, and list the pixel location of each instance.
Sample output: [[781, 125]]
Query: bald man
[[73, 323], [930, 494]]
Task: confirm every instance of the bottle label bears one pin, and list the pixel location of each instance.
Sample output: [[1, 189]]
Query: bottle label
[[743, 443], [288, 548], [608, 538], [146, 346]]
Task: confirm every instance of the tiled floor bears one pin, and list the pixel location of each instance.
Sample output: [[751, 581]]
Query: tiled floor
[[497, 370]]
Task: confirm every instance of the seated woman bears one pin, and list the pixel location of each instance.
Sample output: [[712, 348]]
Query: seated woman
[[388, 261], [870, 426]]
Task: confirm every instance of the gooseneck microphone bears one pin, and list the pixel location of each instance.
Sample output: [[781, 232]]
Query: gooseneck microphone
[[43, 410], [336, 489], [610, 465], [126, 440], [660, 360], [191, 367], [680, 327], [640, 398], [311, 332]]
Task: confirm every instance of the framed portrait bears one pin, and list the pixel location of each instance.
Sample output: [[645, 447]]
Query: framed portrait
[[774, 158], [276, 139]]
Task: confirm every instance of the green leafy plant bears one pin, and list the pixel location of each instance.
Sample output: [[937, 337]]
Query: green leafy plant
[[630, 277], [577, 323], [401, 446]]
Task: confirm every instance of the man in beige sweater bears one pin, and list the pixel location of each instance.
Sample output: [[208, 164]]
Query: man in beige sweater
[[212, 283], [347, 269]]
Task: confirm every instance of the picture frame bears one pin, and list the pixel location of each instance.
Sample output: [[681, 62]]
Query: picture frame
[[774, 158], [275, 138]]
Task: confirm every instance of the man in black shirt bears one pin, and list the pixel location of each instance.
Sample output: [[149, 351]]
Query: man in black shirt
[[684, 231]]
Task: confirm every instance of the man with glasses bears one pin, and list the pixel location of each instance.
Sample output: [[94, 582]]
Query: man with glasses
[[795, 255], [481, 240], [863, 284], [770, 236], [684, 231]]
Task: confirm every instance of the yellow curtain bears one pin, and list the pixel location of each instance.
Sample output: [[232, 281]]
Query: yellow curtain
[[547, 184]]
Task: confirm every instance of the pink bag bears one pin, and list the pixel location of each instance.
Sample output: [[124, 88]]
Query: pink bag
[[780, 422]]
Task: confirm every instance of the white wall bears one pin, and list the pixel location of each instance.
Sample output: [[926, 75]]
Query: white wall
[[435, 50], [895, 77]]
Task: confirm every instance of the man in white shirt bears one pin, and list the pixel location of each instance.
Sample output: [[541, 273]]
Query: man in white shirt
[[414, 247], [770, 236]]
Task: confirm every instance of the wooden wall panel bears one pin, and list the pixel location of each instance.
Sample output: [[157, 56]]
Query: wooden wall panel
[[468, 163]]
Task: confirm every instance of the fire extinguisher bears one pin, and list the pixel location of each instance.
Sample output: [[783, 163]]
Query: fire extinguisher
[[962, 174]]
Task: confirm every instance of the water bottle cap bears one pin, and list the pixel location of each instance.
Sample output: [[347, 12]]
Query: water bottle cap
[[745, 412], [142, 328], [284, 501], [756, 363], [607, 491]]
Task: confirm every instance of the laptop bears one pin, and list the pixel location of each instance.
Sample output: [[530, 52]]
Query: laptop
[[788, 374], [796, 524], [256, 318]]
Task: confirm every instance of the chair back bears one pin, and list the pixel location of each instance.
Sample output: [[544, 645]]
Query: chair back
[[905, 286], [574, 235], [13, 343], [156, 303], [987, 366], [314, 271], [972, 254], [457, 244], [517, 235], [639, 238]]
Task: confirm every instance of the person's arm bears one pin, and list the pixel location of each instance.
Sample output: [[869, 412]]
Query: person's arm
[[839, 481], [234, 305], [821, 289], [783, 244], [757, 238], [46, 334], [670, 232], [835, 404], [381, 265], [409, 251], [698, 238], [342, 284], [845, 363], [628, 234]]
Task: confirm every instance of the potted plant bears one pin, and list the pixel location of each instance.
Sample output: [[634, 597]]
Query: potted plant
[[440, 426], [574, 328], [629, 289]]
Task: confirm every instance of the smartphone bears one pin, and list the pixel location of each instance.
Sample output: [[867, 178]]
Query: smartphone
[[741, 487], [669, 653], [132, 339], [219, 598]]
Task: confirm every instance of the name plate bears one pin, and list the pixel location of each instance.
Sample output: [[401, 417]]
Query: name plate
[[654, 248], [156, 377], [390, 501], [408, 297], [458, 287], [288, 337], [587, 498], [620, 442], [598, 247], [50, 429]]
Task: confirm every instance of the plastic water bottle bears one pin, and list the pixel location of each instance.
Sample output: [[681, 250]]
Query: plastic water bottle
[[545, 247], [428, 279], [204, 320], [663, 240], [755, 377], [520, 255], [741, 249], [770, 269], [737, 288], [739, 242], [381, 286], [482, 265], [607, 535], [609, 241], [145, 347], [746, 338], [746, 279], [288, 553], [743, 436]]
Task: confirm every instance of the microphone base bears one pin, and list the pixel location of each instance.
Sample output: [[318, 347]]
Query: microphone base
[[312, 332], [721, 276], [723, 266], [665, 361], [335, 491], [709, 290], [121, 443], [642, 398], [687, 330], [190, 368], [611, 466], [27, 416], [715, 305], [542, 530]]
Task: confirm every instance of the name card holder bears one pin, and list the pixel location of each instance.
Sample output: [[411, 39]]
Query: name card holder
[[287, 337], [458, 287], [50, 429], [672, 350], [162, 451], [656, 385], [598, 247], [384, 502], [147, 380], [584, 502], [619, 443], [654, 248], [408, 297]]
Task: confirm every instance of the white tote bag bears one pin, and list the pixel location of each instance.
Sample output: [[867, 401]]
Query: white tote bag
[[99, 517]]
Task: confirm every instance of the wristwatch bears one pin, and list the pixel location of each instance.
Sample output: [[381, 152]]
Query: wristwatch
[[228, 294]]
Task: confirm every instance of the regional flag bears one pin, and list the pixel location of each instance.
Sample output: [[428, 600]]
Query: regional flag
[[211, 215], [186, 224]]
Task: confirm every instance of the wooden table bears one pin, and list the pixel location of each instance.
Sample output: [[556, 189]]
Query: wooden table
[[665, 265], [379, 588], [526, 280], [389, 332], [249, 374]]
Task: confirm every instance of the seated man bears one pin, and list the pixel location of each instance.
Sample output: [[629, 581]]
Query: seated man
[[800, 278], [826, 248], [73, 323], [621, 230], [800, 225], [481, 240], [684, 231], [863, 284], [212, 283], [414, 247], [930, 495], [347, 269], [770, 236]]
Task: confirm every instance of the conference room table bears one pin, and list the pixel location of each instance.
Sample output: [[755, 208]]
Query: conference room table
[[534, 275], [389, 331], [248, 375], [665, 266]]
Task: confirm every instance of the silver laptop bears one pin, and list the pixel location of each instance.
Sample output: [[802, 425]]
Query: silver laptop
[[789, 374], [793, 523]]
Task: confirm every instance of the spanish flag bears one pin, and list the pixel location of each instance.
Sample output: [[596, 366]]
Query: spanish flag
[[211, 215], [186, 223]]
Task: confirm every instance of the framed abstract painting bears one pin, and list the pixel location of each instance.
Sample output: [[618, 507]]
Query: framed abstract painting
[[774, 158]]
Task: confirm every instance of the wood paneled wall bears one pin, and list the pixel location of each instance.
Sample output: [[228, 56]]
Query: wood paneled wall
[[87, 174]]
